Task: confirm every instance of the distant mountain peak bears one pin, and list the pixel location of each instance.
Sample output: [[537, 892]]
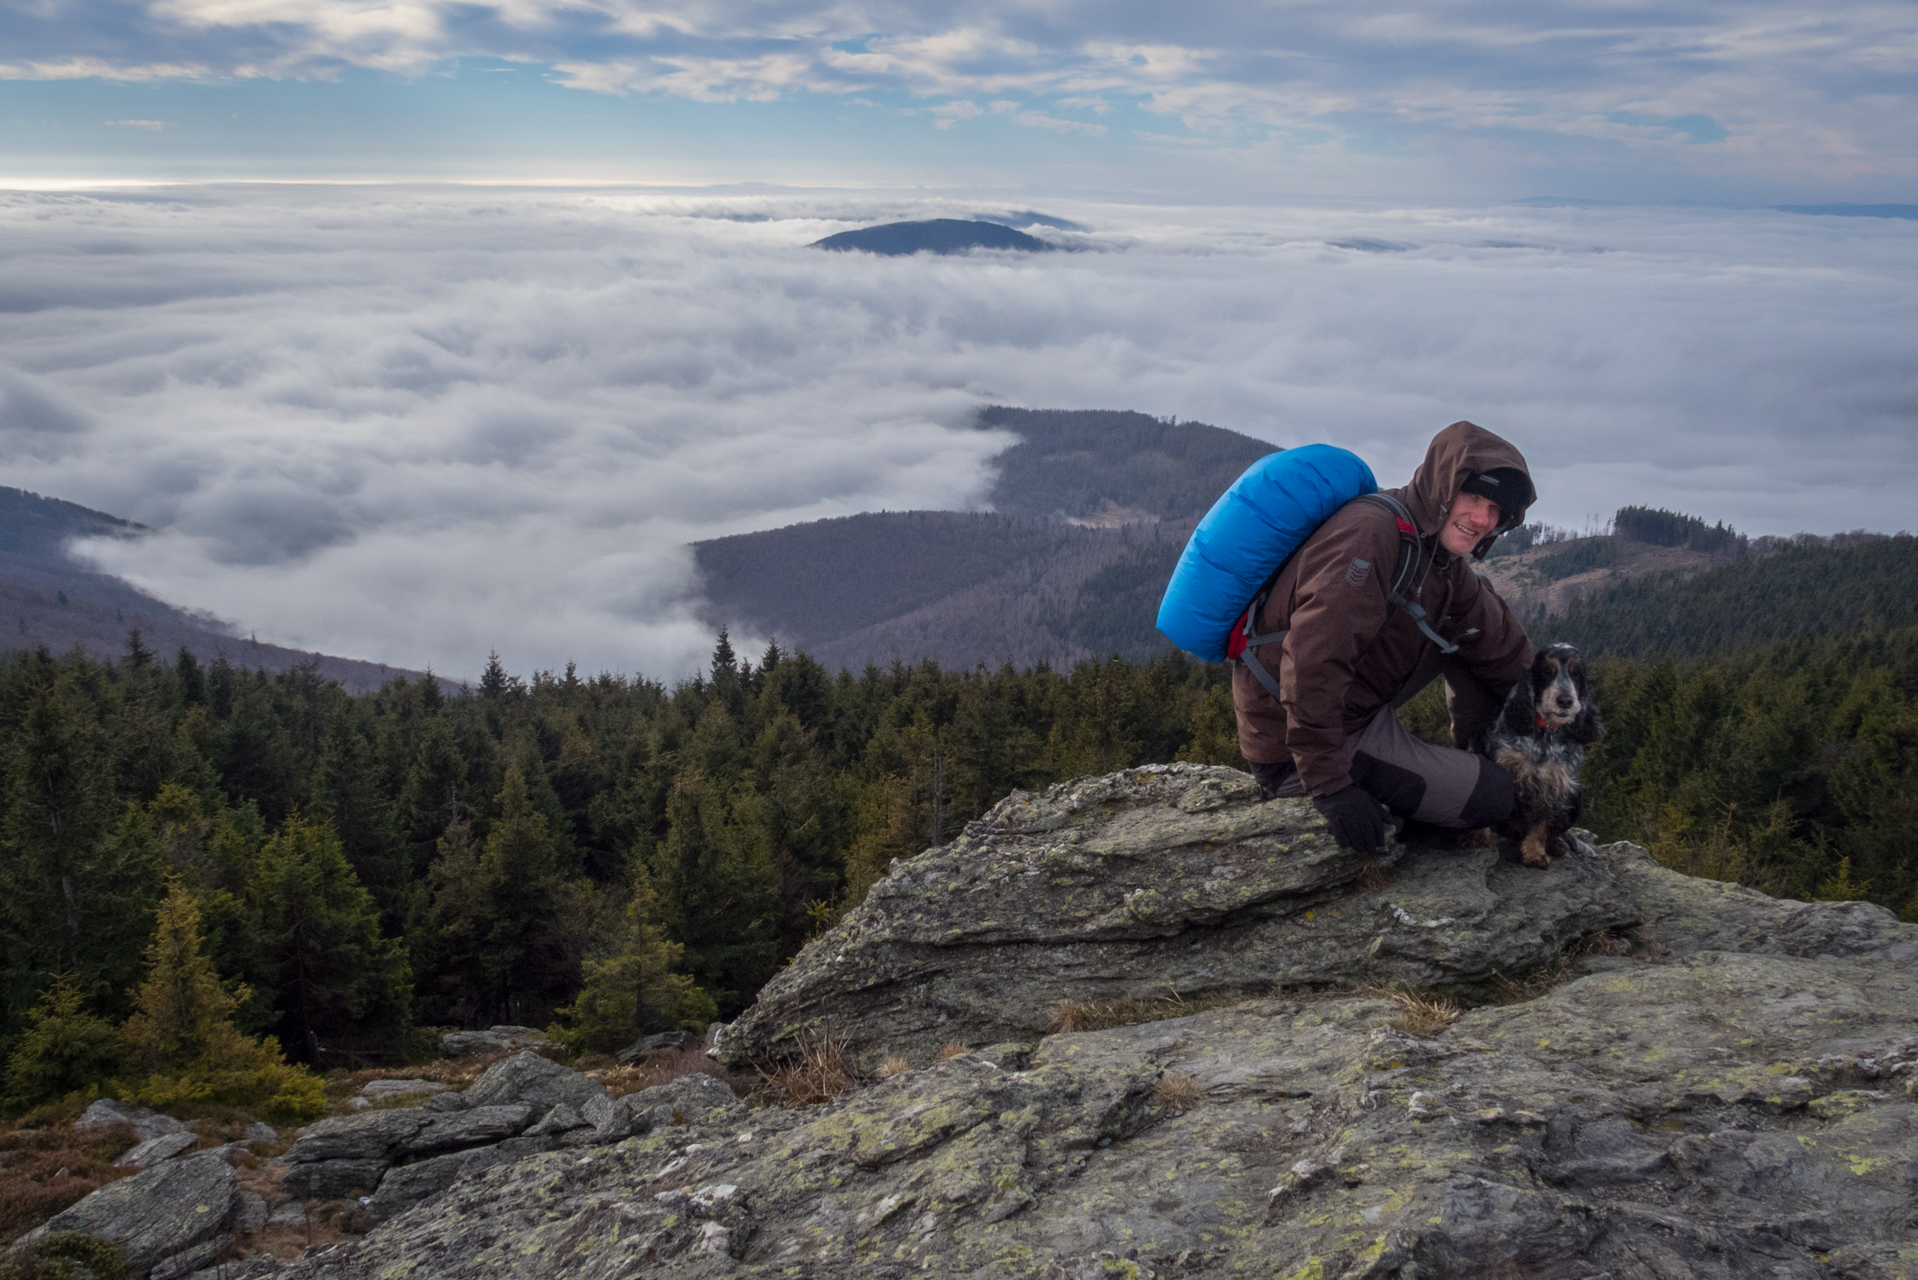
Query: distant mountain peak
[[936, 235]]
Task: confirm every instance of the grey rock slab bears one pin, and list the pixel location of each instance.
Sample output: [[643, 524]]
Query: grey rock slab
[[260, 1131], [258, 1267], [146, 1123], [1146, 884], [334, 1179], [698, 1099], [646, 1046], [477, 1126], [484, 1044], [187, 1261], [382, 1089], [157, 1213], [371, 1135], [154, 1150], [561, 1119], [529, 1080], [407, 1185]]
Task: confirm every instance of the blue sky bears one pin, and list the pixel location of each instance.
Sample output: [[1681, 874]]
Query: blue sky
[[1749, 102]]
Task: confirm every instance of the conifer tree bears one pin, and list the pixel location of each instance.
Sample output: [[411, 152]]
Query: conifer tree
[[182, 1038], [332, 973], [64, 1048], [73, 899], [630, 988], [715, 874], [520, 870]]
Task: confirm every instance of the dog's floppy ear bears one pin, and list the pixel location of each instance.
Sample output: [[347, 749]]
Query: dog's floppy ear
[[1587, 728]]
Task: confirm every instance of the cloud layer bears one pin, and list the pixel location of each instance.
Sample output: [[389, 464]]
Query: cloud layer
[[1762, 93], [411, 425]]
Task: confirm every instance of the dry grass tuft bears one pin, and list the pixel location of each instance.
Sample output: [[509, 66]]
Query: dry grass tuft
[[1602, 943], [1074, 1015], [952, 1049], [660, 1068], [1376, 878], [1421, 1013], [1533, 984], [820, 1074], [44, 1169], [1176, 1092], [894, 1065]]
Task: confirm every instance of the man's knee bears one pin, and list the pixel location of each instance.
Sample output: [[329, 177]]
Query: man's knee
[[1394, 786], [1492, 798]]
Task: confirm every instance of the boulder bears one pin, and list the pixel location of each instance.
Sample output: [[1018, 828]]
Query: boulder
[[379, 1090], [408, 1185], [698, 1099], [154, 1150], [495, 1040], [372, 1135], [646, 1046], [1729, 1090], [260, 1131], [334, 1179], [147, 1124], [1159, 881], [526, 1079], [172, 1209], [474, 1127]]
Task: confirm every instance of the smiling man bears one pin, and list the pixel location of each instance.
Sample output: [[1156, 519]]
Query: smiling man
[[1349, 658]]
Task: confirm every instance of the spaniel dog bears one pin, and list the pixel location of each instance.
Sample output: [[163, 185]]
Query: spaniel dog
[[1540, 739]]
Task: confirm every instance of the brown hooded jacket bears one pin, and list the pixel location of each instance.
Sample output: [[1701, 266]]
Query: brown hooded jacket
[[1349, 651]]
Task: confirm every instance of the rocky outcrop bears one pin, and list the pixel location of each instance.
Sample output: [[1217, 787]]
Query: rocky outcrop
[[1158, 881], [350, 1155], [146, 1123], [170, 1219], [1734, 1096], [494, 1040]]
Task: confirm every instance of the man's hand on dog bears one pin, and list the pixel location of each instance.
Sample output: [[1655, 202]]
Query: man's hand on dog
[[1356, 820]]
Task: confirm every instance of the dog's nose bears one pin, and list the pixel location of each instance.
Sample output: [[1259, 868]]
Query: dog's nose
[[1564, 702]]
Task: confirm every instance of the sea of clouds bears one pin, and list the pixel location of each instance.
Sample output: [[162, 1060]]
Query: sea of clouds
[[417, 424]]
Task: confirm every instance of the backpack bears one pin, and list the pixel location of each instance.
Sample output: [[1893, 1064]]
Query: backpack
[[1242, 545]]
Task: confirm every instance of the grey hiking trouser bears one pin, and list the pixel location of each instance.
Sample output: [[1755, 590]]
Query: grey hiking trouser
[[1442, 786]]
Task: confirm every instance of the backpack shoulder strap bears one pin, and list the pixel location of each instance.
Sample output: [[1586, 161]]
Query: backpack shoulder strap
[[1407, 564]]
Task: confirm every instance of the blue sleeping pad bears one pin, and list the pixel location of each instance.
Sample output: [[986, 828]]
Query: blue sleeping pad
[[1247, 535]]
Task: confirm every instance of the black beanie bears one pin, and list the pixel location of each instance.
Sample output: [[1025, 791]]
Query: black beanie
[[1507, 486]]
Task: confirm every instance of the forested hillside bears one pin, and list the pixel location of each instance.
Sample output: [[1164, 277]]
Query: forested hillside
[[1804, 589], [1090, 511], [363, 864], [48, 598]]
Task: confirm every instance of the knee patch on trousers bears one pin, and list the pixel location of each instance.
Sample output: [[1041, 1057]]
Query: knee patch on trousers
[[1394, 786], [1491, 800]]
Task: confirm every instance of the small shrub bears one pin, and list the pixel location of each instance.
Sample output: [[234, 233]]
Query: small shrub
[[894, 1065], [952, 1049], [66, 1255], [820, 1074], [1177, 1092]]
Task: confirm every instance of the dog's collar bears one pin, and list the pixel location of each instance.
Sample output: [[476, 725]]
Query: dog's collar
[[1542, 723]]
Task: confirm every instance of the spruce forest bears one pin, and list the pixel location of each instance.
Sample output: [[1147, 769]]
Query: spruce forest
[[608, 856]]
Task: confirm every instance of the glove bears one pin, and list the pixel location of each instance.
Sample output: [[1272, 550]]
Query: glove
[[1355, 818]]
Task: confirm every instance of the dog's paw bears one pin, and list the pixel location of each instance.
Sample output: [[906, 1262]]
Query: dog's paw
[[1483, 838], [1533, 851]]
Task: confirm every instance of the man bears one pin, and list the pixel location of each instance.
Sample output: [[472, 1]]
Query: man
[[1349, 657]]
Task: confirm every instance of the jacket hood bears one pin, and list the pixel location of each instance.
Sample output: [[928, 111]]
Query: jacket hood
[[1454, 456]]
